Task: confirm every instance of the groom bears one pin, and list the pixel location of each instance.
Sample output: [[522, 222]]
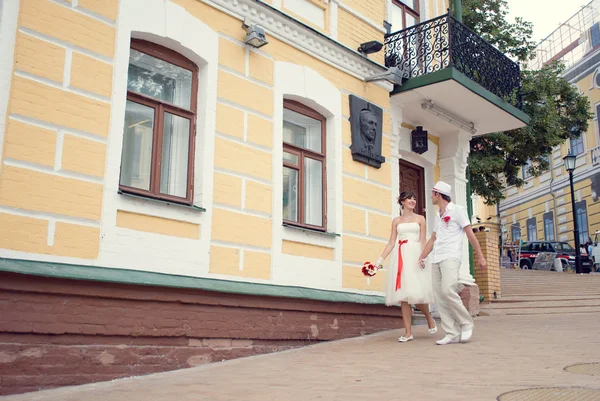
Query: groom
[[450, 226]]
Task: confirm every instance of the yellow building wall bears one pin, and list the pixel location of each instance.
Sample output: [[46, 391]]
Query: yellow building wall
[[55, 147], [58, 113], [352, 31], [238, 155]]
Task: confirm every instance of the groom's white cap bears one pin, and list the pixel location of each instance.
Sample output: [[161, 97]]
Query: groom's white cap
[[442, 188]]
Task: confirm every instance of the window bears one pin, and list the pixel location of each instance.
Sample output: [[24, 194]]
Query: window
[[515, 231], [577, 145], [526, 170], [303, 166], [531, 229], [548, 160], [549, 226], [404, 14], [582, 222], [158, 138], [595, 35]]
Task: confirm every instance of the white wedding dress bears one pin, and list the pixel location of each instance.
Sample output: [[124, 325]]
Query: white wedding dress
[[414, 282]]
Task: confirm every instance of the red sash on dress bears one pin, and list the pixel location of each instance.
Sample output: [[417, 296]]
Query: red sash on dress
[[399, 275]]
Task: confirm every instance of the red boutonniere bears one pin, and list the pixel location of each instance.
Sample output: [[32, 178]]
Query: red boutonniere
[[446, 220]]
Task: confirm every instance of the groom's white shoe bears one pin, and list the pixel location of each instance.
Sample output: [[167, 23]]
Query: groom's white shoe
[[448, 340], [467, 332]]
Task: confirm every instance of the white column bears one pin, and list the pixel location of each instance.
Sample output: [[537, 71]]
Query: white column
[[454, 150], [333, 19]]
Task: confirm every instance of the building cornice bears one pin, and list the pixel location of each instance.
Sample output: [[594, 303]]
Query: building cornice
[[583, 67], [301, 36], [541, 190]]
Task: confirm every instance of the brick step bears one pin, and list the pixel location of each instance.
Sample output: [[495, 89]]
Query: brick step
[[542, 311], [545, 304], [534, 298]]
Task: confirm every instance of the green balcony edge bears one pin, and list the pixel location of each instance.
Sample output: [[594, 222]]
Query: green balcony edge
[[137, 277], [452, 73]]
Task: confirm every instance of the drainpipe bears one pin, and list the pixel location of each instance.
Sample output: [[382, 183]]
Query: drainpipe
[[458, 10], [470, 212], [554, 216]]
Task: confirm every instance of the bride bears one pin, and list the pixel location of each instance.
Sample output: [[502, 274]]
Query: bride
[[408, 284]]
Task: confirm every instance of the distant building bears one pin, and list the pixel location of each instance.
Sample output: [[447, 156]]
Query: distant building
[[541, 209]]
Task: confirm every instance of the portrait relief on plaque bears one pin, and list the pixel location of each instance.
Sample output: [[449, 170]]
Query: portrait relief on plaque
[[365, 123]]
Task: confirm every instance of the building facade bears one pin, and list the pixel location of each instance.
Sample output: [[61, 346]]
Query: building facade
[[541, 209], [169, 182]]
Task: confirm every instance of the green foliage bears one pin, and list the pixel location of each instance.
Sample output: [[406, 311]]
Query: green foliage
[[488, 19], [557, 110]]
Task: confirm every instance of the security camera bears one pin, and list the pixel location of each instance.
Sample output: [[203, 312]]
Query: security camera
[[393, 75], [370, 47]]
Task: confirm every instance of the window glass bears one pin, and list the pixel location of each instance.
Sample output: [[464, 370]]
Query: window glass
[[136, 164], [290, 194], [577, 145], [549, 226], [159, 79], [582, 222], [301, 131], [313, 191], [175, 152]]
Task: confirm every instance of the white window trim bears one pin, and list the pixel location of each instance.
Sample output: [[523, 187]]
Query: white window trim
[[169, 25], [303, 84], [9, 17]]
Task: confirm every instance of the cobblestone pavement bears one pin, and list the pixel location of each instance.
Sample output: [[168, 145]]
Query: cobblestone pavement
[[507, 353]]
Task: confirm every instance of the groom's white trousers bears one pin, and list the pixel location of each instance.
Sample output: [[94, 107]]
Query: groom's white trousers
[[446, 289]]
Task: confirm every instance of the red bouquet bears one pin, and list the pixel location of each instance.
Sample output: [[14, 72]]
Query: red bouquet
[[369, 269]]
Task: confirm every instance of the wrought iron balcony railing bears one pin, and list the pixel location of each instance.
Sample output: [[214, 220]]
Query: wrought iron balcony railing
[[445, 42]]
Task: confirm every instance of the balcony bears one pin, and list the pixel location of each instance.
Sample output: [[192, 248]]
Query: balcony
[[445, 64]]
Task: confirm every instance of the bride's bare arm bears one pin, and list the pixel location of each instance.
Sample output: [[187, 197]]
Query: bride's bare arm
[[423, 236], [390, 245]]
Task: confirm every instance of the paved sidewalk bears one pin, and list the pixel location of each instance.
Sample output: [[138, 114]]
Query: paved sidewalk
[[506, 353]]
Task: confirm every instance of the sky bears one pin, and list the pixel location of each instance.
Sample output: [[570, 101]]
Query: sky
[[546, 15]]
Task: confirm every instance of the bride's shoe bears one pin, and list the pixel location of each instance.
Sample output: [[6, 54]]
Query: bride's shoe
[[433, 331], [405, 339]]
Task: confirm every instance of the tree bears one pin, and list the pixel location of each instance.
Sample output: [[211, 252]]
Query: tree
[[557, 110]]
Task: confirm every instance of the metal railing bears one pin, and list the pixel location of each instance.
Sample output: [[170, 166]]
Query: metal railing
[[445, 42]]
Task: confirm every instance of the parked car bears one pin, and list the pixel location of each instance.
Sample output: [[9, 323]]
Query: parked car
[[564, 251]]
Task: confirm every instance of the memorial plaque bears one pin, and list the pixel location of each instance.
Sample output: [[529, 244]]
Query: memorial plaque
[[365, 124]]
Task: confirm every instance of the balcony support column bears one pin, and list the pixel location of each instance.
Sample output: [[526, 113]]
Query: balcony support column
[[454, 151], [458, 10]]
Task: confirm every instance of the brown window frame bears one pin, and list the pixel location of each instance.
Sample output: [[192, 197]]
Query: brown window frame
[[302, 153], [407, 10], [160, 108]]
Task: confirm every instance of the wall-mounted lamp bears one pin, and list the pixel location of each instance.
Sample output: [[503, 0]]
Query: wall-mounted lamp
[[255, 35], [370, 47], [419, 140], [446, 115]]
